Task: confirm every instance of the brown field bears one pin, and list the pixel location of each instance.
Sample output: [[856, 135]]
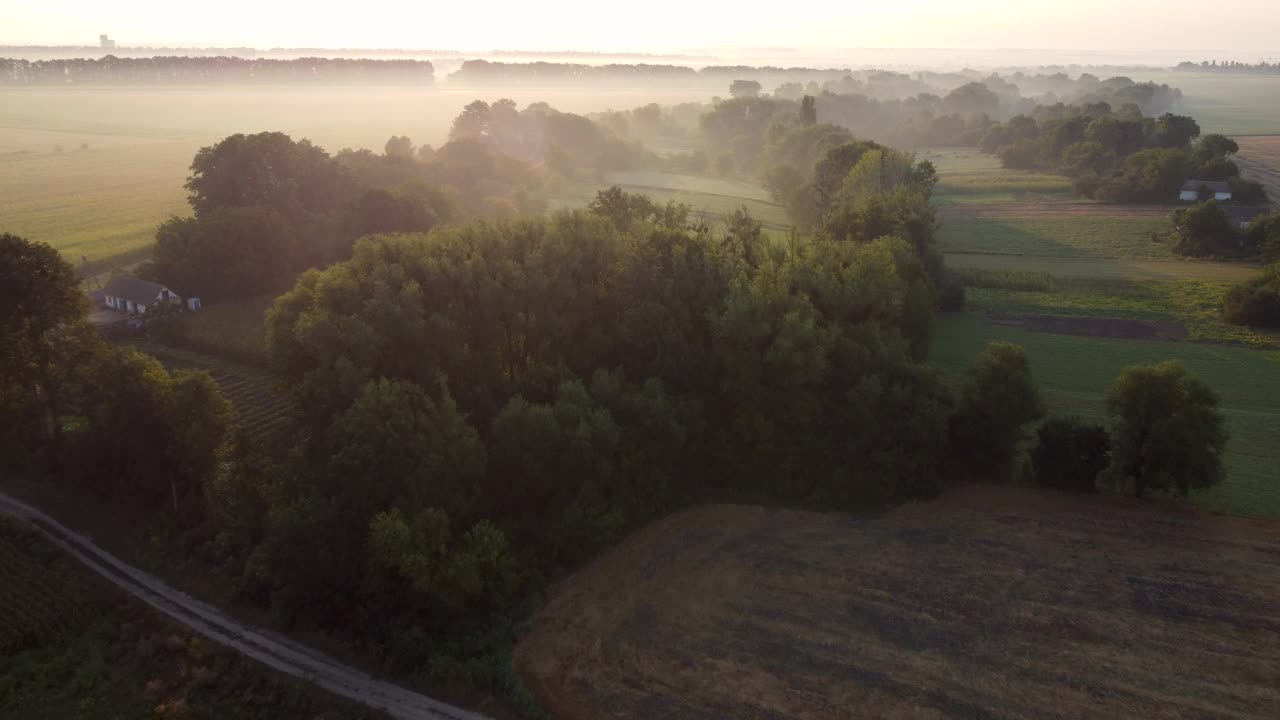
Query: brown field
[[1259, 159], [988, 602], [1054, 211]]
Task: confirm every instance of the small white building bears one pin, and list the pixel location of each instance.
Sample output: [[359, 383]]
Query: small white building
[[134, 295], [1216, 189]]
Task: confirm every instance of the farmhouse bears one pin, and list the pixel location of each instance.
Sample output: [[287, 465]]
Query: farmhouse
[[1219, 189], [134, 295]]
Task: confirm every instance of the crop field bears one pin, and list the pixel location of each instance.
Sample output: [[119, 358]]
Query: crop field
[[1259, 159], [74, 648], [93, 171], [260, 408], [1226, 103], [986, 602], [1075, 371]]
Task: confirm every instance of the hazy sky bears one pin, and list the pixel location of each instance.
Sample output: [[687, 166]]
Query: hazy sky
[[652, 25]]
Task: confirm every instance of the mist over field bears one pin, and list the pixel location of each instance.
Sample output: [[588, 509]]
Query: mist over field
[[530, 361]]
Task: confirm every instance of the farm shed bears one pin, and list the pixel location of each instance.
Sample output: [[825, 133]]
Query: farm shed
[[1219, 189], [134, 295]]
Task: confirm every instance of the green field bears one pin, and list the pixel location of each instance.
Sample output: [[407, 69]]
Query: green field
[[1226, 103], [1075, 373], [1063, 237], [968, 176]]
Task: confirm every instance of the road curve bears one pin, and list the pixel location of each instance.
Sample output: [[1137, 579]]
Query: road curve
[[275, 651]]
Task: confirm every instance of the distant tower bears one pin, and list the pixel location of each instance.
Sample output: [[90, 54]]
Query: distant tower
[[106, 42]]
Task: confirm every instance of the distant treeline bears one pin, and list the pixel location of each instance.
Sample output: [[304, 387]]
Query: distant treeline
[[164, 70], [484, 71], [1230, 66]]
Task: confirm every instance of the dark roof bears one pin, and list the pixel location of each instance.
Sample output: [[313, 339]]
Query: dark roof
[[1243, 214], [133, 289], [1217, 186]]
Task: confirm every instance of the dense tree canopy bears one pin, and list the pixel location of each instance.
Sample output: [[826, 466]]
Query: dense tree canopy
[[1168, 432]]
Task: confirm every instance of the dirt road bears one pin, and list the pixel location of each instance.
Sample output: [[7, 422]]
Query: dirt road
[[268, 648]]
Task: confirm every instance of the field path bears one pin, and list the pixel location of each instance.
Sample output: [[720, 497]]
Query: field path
[[275, 651], [1053, 211]]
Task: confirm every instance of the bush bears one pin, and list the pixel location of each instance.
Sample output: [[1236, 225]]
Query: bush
[[1070, 455], [1256, 302]]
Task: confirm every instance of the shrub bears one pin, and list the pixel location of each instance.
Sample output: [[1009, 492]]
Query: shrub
[[1070, 455], [1256, 302]]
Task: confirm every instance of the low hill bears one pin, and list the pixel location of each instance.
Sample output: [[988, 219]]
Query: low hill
[[987, 602]]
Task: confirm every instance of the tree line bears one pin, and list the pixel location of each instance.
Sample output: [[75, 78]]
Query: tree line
[[1118, 156], [1261, 67], [196, 70]]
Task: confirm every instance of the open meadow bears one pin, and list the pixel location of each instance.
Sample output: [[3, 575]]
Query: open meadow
[[986, 602], [1227, 103]]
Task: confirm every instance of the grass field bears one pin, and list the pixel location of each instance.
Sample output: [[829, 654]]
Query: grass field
[[1259, 159], [73, 647], [984, 603], [1074, 373], [971, 177]]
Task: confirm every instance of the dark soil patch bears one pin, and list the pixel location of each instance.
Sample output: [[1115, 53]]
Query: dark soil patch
[[1125, 328]]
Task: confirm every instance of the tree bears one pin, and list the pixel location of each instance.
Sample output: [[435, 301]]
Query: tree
[[1255, 302], [1215, 145], [229, 253], [41, 305], [808, 111], [1070, 454], [1168, 433], [998, 400], [472, 123], [399, 147], [744, 89], [266, 170], [1205, 229]]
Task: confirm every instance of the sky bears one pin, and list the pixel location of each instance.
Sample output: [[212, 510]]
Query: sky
[[652, 25]]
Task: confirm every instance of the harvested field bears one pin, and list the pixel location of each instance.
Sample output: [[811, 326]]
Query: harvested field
[[1054, 211], [988, 602], [1259, 159]]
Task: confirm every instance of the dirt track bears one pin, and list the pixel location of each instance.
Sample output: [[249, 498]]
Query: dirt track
[[272, 650], [988, 602], [1053, 211]]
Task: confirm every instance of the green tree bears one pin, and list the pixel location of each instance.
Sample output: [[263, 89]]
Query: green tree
[[1255, 302], [267, 170], [399, 147], [1205, 229], [42, 308], [744, 89], [229, 253], [999, 399], [808, 111], [1168, 433], [453, 573], [1070, 454]]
